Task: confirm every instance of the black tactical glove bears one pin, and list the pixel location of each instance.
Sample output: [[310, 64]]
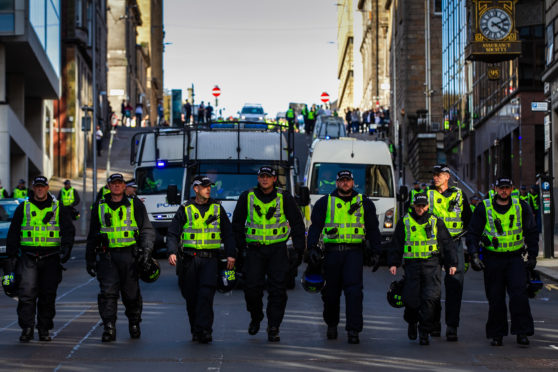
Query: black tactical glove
[[315, 256], [91, 268], [531, 262], [476, 262], [65, 253], [143, 260], [375, 262]]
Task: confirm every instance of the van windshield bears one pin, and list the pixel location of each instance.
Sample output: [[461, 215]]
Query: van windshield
[[153, 181], [252, 110], [232, 179], [370, 179]]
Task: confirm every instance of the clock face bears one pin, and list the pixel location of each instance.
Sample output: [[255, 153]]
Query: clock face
[[495, 24]]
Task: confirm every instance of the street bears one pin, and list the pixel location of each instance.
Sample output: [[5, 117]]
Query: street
[[166, 344]]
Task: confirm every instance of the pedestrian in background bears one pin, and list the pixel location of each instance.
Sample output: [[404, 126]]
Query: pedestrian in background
[[131, 188], [20, 191], [201, 113], [187, 111], [139, 114], [194, 241], [99, 139], [421, 240], [40, 239], [348, 118], [3, 192]]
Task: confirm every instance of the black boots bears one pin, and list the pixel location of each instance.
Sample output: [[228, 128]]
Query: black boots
[[135, 331], [204, 337], [254, 327], [44, 335], [412, 331], [352, 337], [332, 332], [522, 340], [273, 334], [26, 335], [109, 333], [451, 333], [496, 341], [423, 338]]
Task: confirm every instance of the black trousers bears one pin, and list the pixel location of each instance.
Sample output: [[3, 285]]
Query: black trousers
[[117, 274], [197, 279], [343, 272], [422, 290], [38, 282], [501, 274], [454, 292], [266, 267]]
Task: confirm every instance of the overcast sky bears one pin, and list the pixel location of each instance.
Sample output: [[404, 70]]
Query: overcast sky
[[257, 51]]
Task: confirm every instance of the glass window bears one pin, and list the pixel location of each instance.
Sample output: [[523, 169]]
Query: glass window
[[53, 35], [6, 22], [6, 5], [37, 19], [156, 180], [7, 211], [370, 179], [437, 6], [549, 43], [252, 110]]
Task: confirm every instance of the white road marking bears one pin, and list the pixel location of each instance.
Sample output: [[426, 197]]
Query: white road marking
[[554, 347], [70, 321], [73, 289], [78, 345]]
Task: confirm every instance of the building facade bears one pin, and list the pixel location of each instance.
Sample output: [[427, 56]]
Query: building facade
[[415, 60], [77, 82], [29, 81], [490, 130]]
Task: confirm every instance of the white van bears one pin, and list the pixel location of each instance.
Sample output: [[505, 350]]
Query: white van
[[372, 167]]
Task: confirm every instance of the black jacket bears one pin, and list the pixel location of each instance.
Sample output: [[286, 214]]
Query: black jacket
[[370, 221], [478, 222], [67, 230], [292, 213], [146, 232], [446, 245], [466, 213], [180, 218], [76, 198]]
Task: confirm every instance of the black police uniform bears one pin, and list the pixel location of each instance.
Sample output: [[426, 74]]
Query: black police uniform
[[422, 285], [342, 268], [198, 271], [116, 268], [38, 270], [269, 261], [453, 283], [505, 271]]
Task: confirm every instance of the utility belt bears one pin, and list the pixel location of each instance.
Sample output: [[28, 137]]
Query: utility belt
[[258, 246], [202, 253], [38, 255], [519, 252], [341, 247]]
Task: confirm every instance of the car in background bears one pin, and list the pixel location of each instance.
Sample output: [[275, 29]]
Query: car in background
[[329, 127], [252, 112], [7, 209]]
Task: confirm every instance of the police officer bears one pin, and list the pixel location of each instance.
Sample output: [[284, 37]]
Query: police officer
[[194, 240], [451, 205], [524, 196], [475, 200], [41, 237], [263, 220], [504, 225], [421, 240], [103, 191], [535, 202], [414, 191], [347, 220], [131, 188], [119, 243], [20, 192], [68, 195], [290, 116], [3, 192]]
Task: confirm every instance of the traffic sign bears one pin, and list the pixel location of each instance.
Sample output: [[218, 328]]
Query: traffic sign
[[216, 91], [539, 106], [324, 97]]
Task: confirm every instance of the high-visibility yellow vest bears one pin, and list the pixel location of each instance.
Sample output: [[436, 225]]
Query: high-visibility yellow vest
[[119, 225], [197, 233], [261, 229], [420, 243], [35, 231], [449, 209], [413, 193], [340, 225], [20, 193], [2, 193], [511, 237], [68, 196]]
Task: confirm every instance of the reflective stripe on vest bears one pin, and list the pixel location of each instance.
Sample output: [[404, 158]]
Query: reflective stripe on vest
[[34, 232], [265, 231], [123, 227], [350, 227], [440, 207], [196, 233], [68, 196], [511, 238], [417, 243]]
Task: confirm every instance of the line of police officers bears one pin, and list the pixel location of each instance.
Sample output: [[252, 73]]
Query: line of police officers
[[120, 243]]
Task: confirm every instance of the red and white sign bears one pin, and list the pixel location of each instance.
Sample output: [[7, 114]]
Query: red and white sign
[[216, 91], [324, 97]]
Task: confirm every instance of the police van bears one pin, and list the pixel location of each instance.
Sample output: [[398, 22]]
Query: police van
[[372, 167], [230, 153]]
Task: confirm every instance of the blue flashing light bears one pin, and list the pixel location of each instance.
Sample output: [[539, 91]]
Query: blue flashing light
[[161, 163], [328, 137], [520, 137]]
